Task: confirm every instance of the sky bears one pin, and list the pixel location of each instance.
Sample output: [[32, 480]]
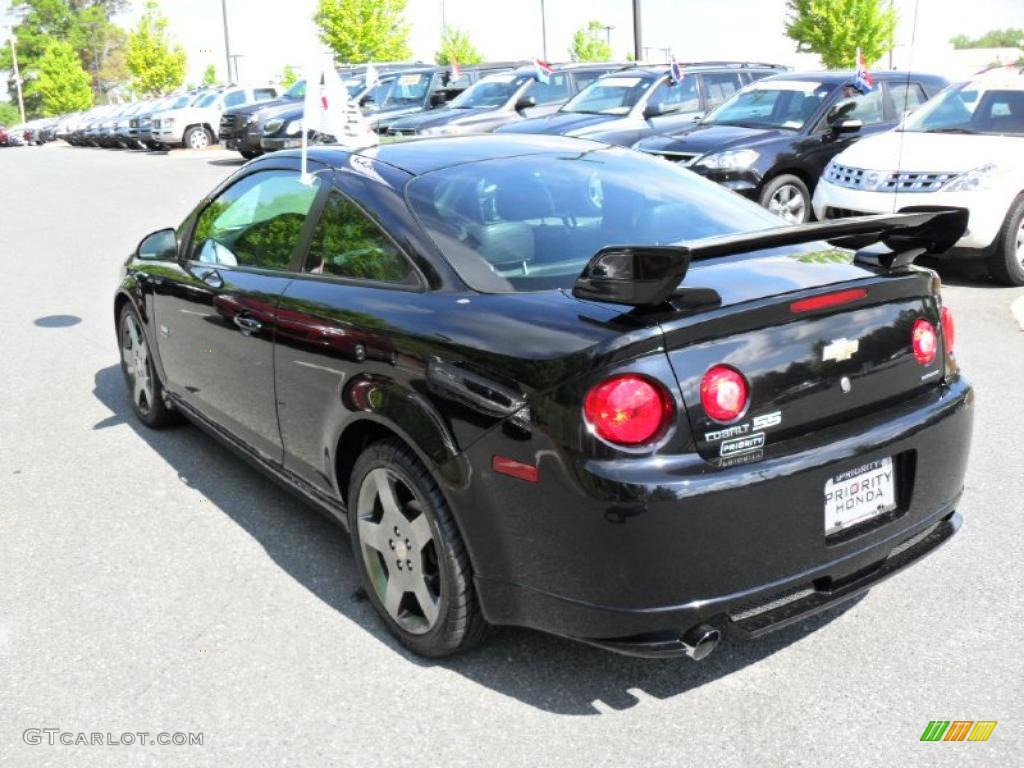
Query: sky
[[271, 33]]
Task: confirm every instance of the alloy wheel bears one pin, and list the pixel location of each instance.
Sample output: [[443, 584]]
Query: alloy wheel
[[788, 204], [1020, 243], [399, 551], [199, 140], [135, 355]]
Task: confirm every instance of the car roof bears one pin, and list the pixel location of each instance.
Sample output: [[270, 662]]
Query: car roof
[[834, 77], [419, 156]]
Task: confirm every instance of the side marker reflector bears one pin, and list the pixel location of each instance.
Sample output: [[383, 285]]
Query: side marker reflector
[[517, 469]]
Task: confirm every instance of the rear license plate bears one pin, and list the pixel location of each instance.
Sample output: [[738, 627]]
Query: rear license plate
[[859, 494]]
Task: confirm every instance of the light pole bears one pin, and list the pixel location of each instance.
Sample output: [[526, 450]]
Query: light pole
[[638, 41], [234, 59], [17, 76], [227, 41], [543, 31], [608, 34]]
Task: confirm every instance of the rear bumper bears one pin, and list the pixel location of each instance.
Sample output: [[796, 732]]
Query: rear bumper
[[740, 549]]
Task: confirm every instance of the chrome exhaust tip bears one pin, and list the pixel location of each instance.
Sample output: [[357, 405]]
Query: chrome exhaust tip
[[700, 641]]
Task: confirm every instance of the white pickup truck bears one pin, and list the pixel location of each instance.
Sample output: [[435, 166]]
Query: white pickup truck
[[195, 126]]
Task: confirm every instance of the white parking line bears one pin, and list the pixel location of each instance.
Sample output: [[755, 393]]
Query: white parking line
[[1017, 308]]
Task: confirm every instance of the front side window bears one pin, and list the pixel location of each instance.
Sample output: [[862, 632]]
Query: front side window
[[677, 97], [262, 94], [234, 98], [255, 222], [207, 100], [555, 90], [532, 222], [906, 96], [868, 107], [491, 92], [348, 244]]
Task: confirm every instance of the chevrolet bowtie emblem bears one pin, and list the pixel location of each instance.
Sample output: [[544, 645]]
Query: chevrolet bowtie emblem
[[840, 349]]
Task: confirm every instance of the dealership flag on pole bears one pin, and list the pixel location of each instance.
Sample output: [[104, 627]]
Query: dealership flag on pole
[[329, 114], [863, 81], [543, 70], [456, 70], [675, 71]]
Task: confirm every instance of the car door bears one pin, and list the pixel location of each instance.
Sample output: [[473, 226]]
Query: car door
[[823, 144], [216, 322], [680, 105], [339, 319]]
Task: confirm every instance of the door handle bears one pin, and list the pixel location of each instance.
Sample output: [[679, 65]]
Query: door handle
[[213, 279], [247, 325]]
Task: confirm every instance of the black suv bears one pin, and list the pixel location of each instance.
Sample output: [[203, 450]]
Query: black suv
[[504, 98], [624, 107], [772, 140]]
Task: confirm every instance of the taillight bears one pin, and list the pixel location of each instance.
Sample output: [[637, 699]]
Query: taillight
[[948, 329], [724, 393], [924, 341], [628, 409]]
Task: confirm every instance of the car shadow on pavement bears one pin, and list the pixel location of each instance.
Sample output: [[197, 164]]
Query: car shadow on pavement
[[229, 162], [546, 672]]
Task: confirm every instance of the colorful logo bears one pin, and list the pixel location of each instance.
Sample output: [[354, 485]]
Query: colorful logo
[[958, 730]]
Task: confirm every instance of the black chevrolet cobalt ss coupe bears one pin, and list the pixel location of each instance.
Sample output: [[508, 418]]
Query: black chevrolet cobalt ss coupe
[[551, 383]]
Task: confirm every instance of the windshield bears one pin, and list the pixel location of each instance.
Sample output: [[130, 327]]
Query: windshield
[[532, 222], [491, 92], [972, 108], [355, 87], [614, 95], [772, 104], [297, 91]]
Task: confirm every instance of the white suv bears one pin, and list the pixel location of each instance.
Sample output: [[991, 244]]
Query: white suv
[[195, 126], [963, 149]]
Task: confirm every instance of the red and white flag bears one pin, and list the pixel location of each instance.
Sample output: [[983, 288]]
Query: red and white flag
[[456, 70], [543, 70]]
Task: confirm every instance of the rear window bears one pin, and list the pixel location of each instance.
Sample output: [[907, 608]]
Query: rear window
[[531, 223]]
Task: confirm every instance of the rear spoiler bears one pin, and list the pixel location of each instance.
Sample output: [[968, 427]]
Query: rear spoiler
[[648, 275]]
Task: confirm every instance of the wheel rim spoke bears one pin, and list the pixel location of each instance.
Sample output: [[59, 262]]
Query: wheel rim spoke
[[427, 602], [393, 597], [421, 533], [386, 493], [374, 535]]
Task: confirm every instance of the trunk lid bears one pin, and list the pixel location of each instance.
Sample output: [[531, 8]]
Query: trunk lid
[[806, 369]]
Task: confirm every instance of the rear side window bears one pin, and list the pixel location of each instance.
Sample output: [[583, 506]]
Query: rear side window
[[719, 86], [906, 97], [255, 222], [347, 243], [551, 92]]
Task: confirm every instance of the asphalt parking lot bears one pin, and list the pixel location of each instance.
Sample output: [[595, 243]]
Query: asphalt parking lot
[[152, 582]]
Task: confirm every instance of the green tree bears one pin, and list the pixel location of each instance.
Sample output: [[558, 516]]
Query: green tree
[[288, 76], [588, 44], [364, 30], [210, 75], [9, 114], [456, 45], [61, 83], [996, 38], [835, 29], [156, 62]]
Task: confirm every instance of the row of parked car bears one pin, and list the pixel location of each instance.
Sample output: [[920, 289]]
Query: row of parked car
[[802, 144]]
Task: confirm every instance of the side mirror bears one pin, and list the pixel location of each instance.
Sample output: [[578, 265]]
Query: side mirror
[[846, 125], [162, 245], [654, 110], [525, 103]]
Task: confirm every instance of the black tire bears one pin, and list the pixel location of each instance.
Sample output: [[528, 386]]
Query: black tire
[[148, 405], [1005, 263], [443, 563], [789, 186], [249, 154], [197, 138]]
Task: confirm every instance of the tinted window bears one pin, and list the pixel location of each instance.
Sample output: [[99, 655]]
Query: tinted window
[[532, 222], [347, 244], [206, 100], [583, 79], [972, 108], [262, 94], [234, 98], [681, 96], [773, 104], [551, 92], [254, 223], [906, 97], [869, 107], [490, 92], [719, 86]]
